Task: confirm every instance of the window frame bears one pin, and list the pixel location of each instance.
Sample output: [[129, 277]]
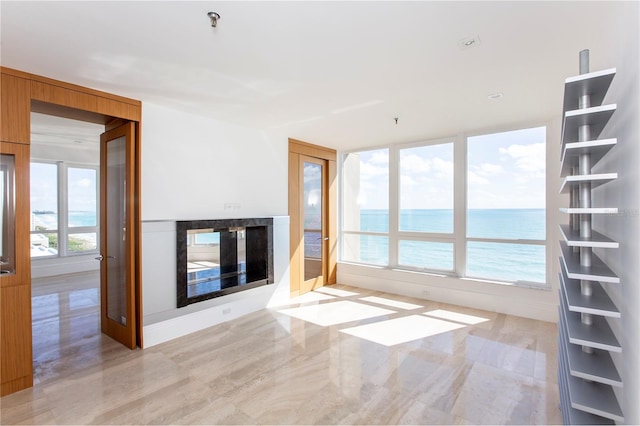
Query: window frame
[[458, 237], [63, 229]]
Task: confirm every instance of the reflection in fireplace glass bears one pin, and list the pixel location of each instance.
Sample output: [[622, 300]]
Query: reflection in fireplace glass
[[210, 269]]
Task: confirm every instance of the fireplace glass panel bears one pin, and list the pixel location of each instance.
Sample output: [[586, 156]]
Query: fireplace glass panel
[[210, 269], [223, 256]]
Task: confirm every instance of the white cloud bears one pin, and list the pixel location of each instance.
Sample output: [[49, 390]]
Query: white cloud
[[406, 180], [443, 168], [85, 183], [488, 169], [415, 164], [529, 158], [369, 170], [475, 179]]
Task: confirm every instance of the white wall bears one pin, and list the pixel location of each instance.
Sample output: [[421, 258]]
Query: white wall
[[195, 167], [624, 193], [192, 166]]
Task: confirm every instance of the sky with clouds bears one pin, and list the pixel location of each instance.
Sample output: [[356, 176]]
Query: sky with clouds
[[82, 189], [505, 170]]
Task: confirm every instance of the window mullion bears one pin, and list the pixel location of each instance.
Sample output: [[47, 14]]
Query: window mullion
[[394, 205], [460, 204], [63, 210]]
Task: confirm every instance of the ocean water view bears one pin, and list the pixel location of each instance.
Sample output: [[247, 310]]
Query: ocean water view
[[502, 261]]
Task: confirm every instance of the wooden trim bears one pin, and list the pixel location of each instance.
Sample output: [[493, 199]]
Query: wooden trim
[[138, 235], [295, 239], [311, 150], [16, 385], [15, 340], [44, 92], [15, 117], [69, 86], [332, 226]]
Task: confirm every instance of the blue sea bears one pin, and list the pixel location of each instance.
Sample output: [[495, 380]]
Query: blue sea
[[501, 261]]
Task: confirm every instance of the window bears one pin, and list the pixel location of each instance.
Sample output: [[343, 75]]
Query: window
[[425, 238], [506, 228], [499, 236], [365, 202], [64, 209]]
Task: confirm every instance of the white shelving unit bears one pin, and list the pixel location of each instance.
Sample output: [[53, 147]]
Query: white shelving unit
[[587, 375]]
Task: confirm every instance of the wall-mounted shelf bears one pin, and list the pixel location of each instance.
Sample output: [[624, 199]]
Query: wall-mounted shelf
[[596, 117], [597, 149], [598, 271], [589, 210], [595, 180], [573, 239], [587, 374], [571, 416], [597, 335], [596, 367], [595, 84], [598, 303]]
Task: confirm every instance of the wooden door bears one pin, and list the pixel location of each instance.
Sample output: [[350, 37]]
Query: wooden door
[[117, 234], [312, 197]]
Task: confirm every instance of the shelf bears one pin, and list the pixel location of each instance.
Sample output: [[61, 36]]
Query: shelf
[[594, 398], [597, 366], [573, 239], [597, 335], [596, 117], [571, 416], [598, 303], [596, 148], [595, 84], [590, 210], [595, 180], [598, 271]]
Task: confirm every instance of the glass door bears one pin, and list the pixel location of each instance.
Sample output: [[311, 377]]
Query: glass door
[[117, 234], [314, 216]]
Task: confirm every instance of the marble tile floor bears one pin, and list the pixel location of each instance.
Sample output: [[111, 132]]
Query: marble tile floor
[[339, 355]]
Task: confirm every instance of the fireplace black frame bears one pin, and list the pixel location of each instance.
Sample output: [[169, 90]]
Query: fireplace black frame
[[259, 255]]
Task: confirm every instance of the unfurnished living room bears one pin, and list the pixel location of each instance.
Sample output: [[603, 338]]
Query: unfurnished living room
[[319, 212]]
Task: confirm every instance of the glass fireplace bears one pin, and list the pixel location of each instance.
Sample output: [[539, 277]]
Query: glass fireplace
[[219, 257]]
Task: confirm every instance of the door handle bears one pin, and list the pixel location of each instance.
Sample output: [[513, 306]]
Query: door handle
[[101, 257]]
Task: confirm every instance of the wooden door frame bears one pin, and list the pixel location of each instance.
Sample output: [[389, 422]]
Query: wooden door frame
[[296, 246], [23, 93]]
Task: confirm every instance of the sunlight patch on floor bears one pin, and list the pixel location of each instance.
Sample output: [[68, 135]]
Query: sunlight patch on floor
[[335, 313], [455, 316], [310, 297], [336, 292], [401, 330], [390, 302]]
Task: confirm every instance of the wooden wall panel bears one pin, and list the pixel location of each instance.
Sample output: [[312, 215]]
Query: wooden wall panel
[[15, 340], [333, 223], [20, 92], [316, 151], [15, 110], [295, 238]]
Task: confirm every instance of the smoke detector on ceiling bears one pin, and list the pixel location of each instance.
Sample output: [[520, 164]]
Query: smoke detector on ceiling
[[469, 42]]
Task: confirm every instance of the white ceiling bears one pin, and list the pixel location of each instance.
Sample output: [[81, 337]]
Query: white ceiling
[[332, 73]]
